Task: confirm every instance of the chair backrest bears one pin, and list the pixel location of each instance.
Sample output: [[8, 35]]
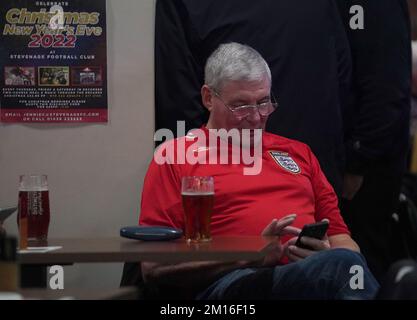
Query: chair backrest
[[132, 275], [400, 282]]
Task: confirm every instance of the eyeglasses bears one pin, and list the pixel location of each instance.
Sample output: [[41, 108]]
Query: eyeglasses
[[243, 111]]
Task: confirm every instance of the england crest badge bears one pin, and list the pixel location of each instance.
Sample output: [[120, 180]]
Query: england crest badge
[[285, 161]]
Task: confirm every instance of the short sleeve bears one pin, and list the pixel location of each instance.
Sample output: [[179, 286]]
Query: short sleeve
[[326, 203], [161, 203]]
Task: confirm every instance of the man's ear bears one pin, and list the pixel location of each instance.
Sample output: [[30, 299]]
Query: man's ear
[[207, 97]]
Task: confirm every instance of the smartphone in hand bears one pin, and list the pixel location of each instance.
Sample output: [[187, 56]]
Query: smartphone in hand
[[313, 230]]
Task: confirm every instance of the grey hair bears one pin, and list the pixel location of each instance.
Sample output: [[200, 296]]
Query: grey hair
[[234, 62]]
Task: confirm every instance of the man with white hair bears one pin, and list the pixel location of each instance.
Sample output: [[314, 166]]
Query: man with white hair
[[289, 192], [304, 44]]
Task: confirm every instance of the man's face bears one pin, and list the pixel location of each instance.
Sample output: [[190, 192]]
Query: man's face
[[234, 94]]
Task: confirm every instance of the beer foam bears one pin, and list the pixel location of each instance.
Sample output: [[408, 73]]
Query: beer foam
[[209, 193], [30, 189]]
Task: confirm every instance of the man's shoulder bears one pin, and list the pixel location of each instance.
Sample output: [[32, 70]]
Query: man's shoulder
[[174, 150], [192, 136], [272, 140]]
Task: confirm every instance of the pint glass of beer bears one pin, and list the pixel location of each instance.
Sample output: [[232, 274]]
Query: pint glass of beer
[[33, 212], [197, 200]]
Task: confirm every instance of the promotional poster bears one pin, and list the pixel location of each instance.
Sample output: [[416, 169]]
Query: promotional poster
[[53, 61]]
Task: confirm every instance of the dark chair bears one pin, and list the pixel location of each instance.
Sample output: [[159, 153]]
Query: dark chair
[[400, 282], [132, 276]]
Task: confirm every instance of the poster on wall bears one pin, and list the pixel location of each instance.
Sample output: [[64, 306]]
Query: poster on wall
[[53, 61]]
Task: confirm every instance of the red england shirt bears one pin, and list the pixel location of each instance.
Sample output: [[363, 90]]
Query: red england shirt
[[290, 181]]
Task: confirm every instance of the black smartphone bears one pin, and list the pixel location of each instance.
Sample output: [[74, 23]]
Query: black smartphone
[[313, 230]]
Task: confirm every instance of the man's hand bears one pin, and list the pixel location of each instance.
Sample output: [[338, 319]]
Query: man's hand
[[278, 228], [351, 185], [281, 227], [295, 253]]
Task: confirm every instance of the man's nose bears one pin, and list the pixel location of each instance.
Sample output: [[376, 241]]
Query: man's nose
[[254, 115]]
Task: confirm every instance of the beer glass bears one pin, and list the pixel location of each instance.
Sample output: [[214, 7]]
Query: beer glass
[[197, 200], [33, 209]]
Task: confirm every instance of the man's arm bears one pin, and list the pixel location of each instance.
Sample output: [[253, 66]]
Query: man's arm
[[295, 253], [326, 209], [193, 277], [343, 241]]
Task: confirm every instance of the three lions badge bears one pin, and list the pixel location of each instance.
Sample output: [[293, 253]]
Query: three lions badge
[[285, 161]]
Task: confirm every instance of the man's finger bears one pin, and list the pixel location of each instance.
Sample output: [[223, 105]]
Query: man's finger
[[315, 244], [303, 253], [288, 216], [276, 226], [293, 257], [291, 230], [292, 241], [270, 228], [281, 224]]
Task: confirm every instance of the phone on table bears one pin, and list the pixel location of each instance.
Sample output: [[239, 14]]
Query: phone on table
[[150, 233], [313, 230]]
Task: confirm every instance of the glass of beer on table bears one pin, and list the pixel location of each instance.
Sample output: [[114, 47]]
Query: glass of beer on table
[[33, 209], [197, 200]]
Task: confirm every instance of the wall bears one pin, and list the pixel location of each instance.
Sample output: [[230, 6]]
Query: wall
[[95, 171]]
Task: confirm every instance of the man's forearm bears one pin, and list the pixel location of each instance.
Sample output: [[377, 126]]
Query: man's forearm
[[343, 241]]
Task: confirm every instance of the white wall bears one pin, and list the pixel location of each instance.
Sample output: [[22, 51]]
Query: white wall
[[95, 171]]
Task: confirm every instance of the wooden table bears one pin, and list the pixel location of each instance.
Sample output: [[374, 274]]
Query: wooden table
[[125, 250], [221, 248]]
